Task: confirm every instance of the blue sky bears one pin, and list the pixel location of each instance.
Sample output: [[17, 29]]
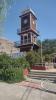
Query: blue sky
[[46, 18]]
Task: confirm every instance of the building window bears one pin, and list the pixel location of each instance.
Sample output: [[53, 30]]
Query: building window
[[29, 37], [25, 39], [21, 39]]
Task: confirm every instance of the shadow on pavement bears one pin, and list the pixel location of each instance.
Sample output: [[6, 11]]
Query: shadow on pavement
[[28, 91]]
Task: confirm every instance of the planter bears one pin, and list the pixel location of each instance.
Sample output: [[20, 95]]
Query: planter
[[39, 68], [26, 71]]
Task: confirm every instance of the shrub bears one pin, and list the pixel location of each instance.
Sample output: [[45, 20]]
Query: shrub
[[19, 74], [47, 58], [11, 70], [33, 58], [22, 62]]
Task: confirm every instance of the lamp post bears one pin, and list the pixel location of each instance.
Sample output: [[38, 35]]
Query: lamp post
[[41, 54], [11, 52]]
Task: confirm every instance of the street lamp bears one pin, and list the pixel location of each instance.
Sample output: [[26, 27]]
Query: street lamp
[[41, 53]]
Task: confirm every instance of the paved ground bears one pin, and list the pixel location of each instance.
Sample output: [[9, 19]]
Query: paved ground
[[48, 70], [51, 70], [32, 90]]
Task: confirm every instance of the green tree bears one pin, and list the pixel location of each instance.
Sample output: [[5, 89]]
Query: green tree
[[49, 46], [47, 58], [22, 62], [33, 57], [4, 6]]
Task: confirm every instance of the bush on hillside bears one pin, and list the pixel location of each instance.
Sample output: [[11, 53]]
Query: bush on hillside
[[12, 69]]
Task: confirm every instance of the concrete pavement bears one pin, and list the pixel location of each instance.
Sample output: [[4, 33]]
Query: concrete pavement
[[20, 91]]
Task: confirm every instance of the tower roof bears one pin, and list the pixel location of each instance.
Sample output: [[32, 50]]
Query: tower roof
[[29, 10]]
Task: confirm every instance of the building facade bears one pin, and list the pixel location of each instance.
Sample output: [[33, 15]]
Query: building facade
[[8, 47]]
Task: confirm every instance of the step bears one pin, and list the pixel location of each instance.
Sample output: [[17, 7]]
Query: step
[[42, 75], [34, 71], [43, 71], [49, 78]]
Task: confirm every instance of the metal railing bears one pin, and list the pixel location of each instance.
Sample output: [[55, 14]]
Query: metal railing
[[22, 42], [25, 41]]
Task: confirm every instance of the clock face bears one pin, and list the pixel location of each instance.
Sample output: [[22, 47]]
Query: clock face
[[33, 22], [25, 21]]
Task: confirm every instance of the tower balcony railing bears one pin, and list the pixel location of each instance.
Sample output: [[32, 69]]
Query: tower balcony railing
[[23, 42]]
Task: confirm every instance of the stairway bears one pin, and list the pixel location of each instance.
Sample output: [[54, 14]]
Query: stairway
[[42, 75]]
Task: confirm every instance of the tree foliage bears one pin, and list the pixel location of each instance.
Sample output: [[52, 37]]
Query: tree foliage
[[47, 58], [33, 58], [4, 6], [48, 47]]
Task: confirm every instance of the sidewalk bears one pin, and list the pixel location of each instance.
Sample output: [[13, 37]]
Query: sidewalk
[[43, 84], [48, 70], [21, 91], [51, 70]]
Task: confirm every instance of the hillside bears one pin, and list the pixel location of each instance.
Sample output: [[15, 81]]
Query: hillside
[[49, 46]]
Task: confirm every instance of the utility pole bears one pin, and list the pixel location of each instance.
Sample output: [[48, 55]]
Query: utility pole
[[41, 53]]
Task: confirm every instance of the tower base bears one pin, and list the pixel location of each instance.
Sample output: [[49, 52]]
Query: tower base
[[28, 47]]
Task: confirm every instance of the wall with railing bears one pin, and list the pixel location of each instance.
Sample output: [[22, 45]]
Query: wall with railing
[[43, 66]]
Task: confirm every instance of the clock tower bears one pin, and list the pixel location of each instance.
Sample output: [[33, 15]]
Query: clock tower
[[28, 33]]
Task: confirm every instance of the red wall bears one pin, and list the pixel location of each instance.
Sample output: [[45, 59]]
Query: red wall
[[39, 67]]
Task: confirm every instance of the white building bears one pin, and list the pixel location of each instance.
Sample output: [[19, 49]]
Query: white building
[[8, 47]]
